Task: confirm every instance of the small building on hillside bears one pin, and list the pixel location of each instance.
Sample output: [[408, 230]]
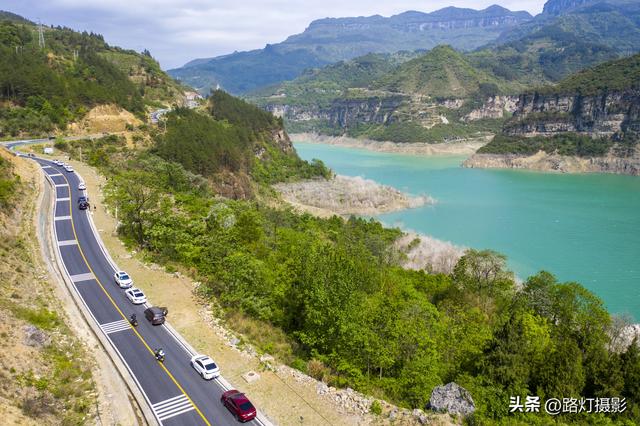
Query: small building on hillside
[[192, 99]]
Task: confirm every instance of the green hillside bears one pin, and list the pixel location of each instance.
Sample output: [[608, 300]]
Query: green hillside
[[441, 73], [611, 23], [611, 76], [44, 89], [544, 56], [223, 145], [321, 85], [327, 41]]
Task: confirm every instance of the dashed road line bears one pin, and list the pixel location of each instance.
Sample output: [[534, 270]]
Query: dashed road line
[[62, 199], [115, 326], [67, 243], [82, 277], [172, 407], [55, 174], [62, 218]]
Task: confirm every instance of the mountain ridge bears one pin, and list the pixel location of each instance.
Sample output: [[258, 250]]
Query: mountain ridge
[[329, 40]]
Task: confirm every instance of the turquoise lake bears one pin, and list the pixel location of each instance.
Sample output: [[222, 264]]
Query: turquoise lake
[[580, 227]]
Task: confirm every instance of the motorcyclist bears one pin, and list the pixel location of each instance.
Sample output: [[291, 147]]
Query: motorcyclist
[[133, 319], [159, 354]]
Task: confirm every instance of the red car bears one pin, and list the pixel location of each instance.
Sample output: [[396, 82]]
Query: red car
[[239, 405]]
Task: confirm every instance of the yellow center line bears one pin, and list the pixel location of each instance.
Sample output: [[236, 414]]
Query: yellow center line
[[123, 315]]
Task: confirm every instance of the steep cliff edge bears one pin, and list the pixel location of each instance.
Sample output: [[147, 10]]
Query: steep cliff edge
[[589, 122]]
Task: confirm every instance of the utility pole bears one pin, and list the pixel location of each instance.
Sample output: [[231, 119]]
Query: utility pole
[[40, 35]]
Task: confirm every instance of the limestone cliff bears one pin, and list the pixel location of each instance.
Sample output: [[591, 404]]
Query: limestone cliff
[[599, 115], [343, 113]]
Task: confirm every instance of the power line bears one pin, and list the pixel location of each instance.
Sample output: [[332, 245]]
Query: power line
[[40, 35]]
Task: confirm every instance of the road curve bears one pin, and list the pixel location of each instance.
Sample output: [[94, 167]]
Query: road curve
[[173, 390]]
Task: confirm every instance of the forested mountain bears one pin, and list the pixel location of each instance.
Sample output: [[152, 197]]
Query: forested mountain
[[404, 100], [234, 144], [419, 97], [440, 73], [330, 40], [322, 85], [611, 23], [43, 88]]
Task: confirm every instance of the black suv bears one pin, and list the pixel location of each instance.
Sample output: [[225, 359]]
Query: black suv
[[83, 203], [155, 315]]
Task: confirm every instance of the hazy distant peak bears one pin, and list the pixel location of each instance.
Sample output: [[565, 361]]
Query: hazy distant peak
[[558, 7]]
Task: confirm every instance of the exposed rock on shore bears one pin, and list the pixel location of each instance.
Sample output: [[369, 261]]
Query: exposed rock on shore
[[560, 163], [452, 398], [424, 252], [345, 195], [465, 147]]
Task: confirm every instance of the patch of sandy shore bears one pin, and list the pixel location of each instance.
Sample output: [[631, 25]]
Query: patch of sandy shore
[[466, 147], [347, 195]]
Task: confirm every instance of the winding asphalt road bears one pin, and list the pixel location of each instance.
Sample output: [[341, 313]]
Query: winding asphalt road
[[176, 394]]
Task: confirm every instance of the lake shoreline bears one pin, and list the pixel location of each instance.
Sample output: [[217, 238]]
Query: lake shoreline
[[541, 161], [467, 147], [348, 195]]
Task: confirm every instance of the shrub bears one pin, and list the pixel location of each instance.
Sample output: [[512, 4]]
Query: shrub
[[376, 408]]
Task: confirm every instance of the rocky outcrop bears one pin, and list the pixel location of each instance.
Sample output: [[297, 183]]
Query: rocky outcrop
[[343, 113], [35, 337], [598, 115], [559, 163], [451, 398], [385, 110], [494, 107]]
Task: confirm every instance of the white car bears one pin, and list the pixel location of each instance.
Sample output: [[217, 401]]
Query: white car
[[205, 367], [57, 162], [123, 279], [136, 296], [82, 186], [68, 168]]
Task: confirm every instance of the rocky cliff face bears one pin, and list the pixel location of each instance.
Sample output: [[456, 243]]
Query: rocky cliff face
[[597, 115], [494, 107], [343, 113]]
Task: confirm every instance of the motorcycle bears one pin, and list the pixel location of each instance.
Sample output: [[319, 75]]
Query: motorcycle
[[159, 355], [133, 320]]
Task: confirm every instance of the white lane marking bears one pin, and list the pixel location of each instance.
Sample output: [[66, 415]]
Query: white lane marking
[[172, 407], [62, 199], [47, 167], [67, 243], [82, 277], [115, 326], [62, 218], [60, 185], [55, 174]]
